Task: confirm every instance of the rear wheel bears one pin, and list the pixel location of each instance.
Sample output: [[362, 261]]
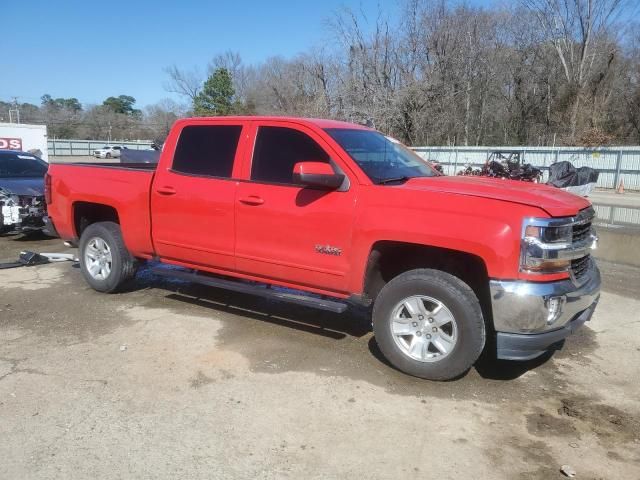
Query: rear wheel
[[108, 155], [429, 324], [105, 262]]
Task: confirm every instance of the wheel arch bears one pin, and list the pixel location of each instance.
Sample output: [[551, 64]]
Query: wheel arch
[[387, 259], [87, 213]]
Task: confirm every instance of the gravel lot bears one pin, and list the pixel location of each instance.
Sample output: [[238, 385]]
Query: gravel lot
[[171, 380]]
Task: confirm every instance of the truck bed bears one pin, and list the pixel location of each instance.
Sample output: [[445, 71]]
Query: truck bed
[[123, 186]]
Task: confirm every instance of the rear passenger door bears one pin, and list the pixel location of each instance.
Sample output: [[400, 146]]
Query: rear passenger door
[[192, 200]]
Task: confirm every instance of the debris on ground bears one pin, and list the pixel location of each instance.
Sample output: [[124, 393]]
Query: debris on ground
[[30, 259], [568, 471]]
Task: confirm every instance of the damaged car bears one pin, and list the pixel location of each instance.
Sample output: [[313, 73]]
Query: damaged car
[[22, 204]]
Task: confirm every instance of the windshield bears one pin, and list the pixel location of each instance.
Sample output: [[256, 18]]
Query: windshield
[[15, 165], [381, 158]]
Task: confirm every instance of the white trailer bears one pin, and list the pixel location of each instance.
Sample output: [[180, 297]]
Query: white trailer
[[25, 137]]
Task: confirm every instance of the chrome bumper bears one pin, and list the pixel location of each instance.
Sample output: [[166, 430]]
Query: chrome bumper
[[523, 307]]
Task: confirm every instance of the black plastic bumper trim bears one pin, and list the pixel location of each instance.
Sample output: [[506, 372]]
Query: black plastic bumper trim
[[517, 346]]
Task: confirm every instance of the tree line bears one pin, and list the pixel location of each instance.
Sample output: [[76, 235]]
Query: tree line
[[540, 72], [537, 72], [116, 118]]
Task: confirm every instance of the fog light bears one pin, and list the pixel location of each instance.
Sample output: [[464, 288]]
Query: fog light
[[554, 307]]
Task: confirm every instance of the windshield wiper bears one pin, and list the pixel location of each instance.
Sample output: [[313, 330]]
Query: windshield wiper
[[384, 181]]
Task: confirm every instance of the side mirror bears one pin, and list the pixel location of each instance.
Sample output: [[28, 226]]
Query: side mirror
[[317, 175]]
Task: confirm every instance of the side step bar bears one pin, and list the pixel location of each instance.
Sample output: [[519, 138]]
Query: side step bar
[[302, 299]]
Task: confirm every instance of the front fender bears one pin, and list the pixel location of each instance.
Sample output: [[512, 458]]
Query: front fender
[[486, 228]]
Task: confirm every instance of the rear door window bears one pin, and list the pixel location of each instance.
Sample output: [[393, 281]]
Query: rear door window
[[207, 150], [278, 149]]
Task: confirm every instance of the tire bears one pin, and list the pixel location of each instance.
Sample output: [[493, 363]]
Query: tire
[[108, 155], [401, 326], [118, 265]]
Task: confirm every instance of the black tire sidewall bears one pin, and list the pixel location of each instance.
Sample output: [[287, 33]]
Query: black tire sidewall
[[113, 281], [457, 297]]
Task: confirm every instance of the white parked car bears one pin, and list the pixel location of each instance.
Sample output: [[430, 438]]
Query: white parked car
[[108, 151]]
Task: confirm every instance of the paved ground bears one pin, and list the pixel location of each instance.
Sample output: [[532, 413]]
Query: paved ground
[[174, 381], [618, 226]]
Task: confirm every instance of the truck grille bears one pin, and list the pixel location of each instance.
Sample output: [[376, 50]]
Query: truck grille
[[582, 225], [580, 266], [581, 232]]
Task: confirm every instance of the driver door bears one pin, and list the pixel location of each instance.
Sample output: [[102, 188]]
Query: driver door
[[286, 232]]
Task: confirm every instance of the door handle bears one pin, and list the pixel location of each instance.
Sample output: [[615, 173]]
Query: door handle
[[166, 190], [251, 200]]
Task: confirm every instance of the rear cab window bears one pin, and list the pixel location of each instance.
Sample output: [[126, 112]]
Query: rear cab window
[[207, 150]]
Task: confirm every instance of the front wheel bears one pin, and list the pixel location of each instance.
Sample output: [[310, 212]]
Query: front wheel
[[429, 324], [105, 262]]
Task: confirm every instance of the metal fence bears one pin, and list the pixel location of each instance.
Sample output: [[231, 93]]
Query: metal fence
[[615, 164], [65, 147], [617, 215]]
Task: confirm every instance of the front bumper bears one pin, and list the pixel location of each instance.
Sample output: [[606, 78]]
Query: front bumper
[[518, 346], [521, 312]]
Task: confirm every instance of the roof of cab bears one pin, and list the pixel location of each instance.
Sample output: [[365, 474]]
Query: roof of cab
[[317, 122]]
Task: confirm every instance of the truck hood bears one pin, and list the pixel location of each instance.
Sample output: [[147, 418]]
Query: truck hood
[[554, 201], [33, 187]]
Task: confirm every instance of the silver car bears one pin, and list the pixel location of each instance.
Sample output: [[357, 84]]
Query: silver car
[[108, 151]]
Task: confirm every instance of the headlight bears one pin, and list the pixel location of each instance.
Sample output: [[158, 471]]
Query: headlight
[[549, 245], [550, 234], [546, 245]]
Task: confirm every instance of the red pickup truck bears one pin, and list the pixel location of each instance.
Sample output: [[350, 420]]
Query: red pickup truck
[[342, 214]]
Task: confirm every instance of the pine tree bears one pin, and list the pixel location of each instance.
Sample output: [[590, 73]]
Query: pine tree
[[216, 97]]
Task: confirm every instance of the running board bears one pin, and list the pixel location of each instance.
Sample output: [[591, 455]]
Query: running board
[[307, 301]]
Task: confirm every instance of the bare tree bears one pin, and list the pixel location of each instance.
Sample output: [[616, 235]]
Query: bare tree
[[159, 118], [186, 83], [577, 30], [232, 62]]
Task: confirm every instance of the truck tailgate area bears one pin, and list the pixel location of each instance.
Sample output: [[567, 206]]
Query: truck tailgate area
[[124, 188]]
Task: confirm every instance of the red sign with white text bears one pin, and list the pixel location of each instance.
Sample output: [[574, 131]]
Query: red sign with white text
[[11, 143]]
